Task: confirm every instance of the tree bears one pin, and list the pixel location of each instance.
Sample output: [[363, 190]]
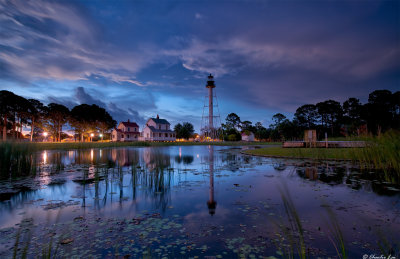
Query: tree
[[306, 116], [380, 110], [177, 129], [104, 120], [90, 118], [184, 130], [261, 132], [277, 119], [187, 130], [36, 114], [57, 116], [7, 101], [331, 113], [247, 125], [352, 110], [232, 121]]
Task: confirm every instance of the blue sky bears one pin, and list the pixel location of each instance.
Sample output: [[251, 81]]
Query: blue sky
[[142, 58]]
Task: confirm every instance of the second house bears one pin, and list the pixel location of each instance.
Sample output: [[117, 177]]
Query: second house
[[157, 129]]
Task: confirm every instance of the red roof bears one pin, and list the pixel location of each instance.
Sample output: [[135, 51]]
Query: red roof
[[129, 124]]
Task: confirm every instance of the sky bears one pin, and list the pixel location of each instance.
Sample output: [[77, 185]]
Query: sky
[[138, 59]]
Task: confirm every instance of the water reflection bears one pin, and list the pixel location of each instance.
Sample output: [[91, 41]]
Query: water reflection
[[186, 160], [379, 182], [211, 203], [149, 178], [178, 182]]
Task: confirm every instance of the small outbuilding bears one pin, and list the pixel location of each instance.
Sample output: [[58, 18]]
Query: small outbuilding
[[247, 136]]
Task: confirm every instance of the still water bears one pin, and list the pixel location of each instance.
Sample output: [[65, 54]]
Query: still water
[[196, 201]]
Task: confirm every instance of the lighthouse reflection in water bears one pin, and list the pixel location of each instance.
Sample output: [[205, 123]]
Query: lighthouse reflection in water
[[211, 203]]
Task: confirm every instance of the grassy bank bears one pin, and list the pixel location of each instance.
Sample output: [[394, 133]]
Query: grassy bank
[[381, 153], [312, 153], [85, 145]]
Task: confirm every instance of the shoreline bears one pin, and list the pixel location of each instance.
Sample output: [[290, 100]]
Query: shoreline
[[87, 145]]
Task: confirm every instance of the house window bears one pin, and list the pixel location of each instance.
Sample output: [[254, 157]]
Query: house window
[[135, 129], [128, 128], [159, 126], [127, 136], [159, 134], [166, 135], [122, 136], [147, 134]]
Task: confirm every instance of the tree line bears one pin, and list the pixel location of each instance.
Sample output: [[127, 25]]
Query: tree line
[[17, 112], [352, 118], [379, 114]]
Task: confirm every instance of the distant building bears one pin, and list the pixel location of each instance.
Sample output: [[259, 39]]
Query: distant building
[[157, 129], [247, 136], [126, 131]]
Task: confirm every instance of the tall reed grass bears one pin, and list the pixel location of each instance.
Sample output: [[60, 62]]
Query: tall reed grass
[[294, 245], [382, 152], [16, 160]]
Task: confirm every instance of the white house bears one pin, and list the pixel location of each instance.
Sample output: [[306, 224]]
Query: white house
[[247, 136], [157, 129], [126, 131]]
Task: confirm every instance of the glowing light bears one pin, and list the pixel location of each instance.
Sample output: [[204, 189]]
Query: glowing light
[[92, 135], [91, 155], [101, 135], [45, 134], [197, 156], [180, 152], [44, 157]]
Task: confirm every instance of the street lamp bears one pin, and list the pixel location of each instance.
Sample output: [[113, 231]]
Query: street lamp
[[45, 135], [91, 137], [101, 136]]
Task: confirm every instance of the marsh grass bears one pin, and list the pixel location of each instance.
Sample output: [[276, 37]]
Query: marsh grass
[[381, 153], [293, 231], [16, 160], [336, 236], [23, 238], [293, 242]]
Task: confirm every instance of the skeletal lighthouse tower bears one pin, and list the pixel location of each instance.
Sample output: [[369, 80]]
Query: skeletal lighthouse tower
[[210, 125]]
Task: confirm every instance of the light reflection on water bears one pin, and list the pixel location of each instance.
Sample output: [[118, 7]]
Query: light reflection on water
[[206, 185]]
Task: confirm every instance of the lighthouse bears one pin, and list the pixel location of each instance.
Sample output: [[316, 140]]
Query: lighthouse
[[210, 122], [210, 86]]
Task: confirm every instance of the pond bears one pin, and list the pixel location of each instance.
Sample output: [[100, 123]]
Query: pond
[[196, 201]]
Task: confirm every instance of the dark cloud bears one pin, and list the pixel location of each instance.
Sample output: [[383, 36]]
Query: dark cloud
[[82, 97], [67, 102], [118, 113]]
